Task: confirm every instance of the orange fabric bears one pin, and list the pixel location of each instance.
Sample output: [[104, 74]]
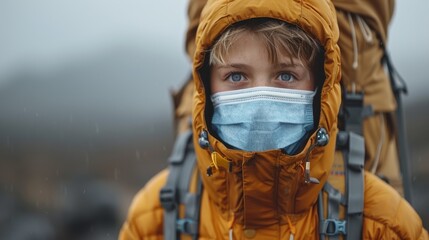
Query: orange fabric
[[194, 12], [361, 66], [378, 14], [398, 221], [266, 189]]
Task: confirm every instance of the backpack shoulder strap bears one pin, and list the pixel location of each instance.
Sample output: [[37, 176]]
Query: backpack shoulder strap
[[354, 158], [332, 226], [351, 143], [176, 190]]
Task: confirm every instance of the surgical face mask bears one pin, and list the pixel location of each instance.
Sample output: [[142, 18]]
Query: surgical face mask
[[263, 118]]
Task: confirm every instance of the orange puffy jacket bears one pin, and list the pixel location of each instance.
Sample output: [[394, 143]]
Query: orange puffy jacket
[[264, 195]]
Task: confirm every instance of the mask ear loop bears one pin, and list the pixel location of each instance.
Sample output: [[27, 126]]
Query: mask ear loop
[[322, 139]]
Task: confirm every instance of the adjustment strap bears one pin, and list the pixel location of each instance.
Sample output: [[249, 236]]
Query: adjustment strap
[[190, 223], [169, 196], [355, 185], [355, 112], [332, 226]]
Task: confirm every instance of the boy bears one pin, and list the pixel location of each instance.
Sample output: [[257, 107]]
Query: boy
[[266, 93]]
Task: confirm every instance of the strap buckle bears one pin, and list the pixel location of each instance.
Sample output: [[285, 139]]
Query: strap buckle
[[332, 227], [186, 225], [167, 197]]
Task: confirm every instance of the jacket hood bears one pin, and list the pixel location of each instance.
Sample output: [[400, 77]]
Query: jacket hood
[[258, 189]]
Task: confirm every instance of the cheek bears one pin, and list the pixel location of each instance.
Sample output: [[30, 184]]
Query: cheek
[[213, 84], [216, 84], [309, 84]]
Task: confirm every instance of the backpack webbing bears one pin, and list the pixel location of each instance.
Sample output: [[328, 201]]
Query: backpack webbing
[[351, 143], [176, 191], [353, 149]]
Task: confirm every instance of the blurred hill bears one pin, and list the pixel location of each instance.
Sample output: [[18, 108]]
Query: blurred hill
[[107, 117]]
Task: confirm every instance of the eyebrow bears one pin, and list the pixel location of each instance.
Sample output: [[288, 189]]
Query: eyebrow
[[244, 66], [288, 64], [232, 65]]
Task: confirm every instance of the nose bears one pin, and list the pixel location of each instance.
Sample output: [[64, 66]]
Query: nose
[[262, 82]]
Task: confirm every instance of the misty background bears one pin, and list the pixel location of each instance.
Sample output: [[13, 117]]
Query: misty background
[[86, 112]]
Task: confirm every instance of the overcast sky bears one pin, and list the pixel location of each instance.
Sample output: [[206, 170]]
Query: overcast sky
[[48, 32]]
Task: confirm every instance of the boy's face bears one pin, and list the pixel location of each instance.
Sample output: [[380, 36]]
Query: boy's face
[[247, 65]]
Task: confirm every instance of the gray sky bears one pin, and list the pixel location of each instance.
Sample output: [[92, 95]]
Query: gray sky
[[408, 44], [46, 33]]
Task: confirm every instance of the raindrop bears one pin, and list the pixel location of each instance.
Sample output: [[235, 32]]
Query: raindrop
[[137, 154], [84, 191]]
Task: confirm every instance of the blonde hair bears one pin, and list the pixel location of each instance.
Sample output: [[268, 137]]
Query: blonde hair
[[278, 36]]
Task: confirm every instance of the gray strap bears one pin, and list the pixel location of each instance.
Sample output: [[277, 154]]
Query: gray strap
[[353, 148], [399, 87], [178, 154], [334, 192], [320, 212], [332, 226], [169, 203], [355, 185], [192, 211], [355, 112], [334, 199], [186, 174], [169, 196]]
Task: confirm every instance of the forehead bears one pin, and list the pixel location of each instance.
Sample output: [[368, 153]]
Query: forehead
[[247, 45]]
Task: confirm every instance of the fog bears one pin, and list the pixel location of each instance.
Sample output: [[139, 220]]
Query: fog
[[86, 109]]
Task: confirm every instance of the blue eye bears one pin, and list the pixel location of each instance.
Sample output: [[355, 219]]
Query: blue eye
[[286, 77], [235, 77]]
